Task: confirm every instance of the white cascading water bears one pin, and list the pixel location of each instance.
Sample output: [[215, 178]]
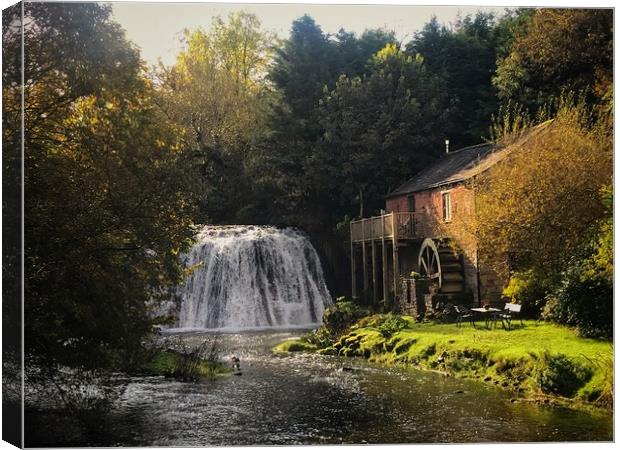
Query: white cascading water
[[252, 277]]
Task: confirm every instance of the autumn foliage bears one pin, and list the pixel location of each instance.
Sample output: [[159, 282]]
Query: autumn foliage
[[538, 204], [542, 206]]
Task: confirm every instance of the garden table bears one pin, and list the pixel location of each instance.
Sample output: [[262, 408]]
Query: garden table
[[489, 315]]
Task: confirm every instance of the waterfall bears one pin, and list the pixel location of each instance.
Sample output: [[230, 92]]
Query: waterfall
[[249, 277]]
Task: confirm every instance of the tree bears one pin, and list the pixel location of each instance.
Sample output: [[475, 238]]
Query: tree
[[242, 48], [465, 58], [538, 206], [583, 296], [11, 183], [301, 68], [215, 91], [560, 50], [378, 130], [354, 52], [512, 23], [308, 64], [12, 374], [108, 196]]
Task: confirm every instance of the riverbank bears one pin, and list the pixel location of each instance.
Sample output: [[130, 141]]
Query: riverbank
[[304, 399], [181, 366], [538, 361]]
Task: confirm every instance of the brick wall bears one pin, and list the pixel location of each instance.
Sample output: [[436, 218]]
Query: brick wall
[[428, 205], [397, 204]]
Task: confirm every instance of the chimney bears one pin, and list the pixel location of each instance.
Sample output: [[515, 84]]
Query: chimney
[[447, 146]]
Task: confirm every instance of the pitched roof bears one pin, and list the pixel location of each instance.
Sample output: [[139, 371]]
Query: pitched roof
[[461, 165], [453, 167]]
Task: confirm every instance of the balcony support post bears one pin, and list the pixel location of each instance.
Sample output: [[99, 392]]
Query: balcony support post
[[364, 267], [365, 270], [384, 266], [396, 271], [353, 280], [375, 286]]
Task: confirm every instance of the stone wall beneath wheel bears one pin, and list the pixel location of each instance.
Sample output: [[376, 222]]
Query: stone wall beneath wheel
[[407, 301], [416, 297], [408, 259]]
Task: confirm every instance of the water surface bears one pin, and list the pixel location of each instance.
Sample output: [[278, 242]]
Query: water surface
[[309, 399]]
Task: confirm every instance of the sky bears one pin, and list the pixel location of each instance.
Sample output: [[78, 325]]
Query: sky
[[156, 27]]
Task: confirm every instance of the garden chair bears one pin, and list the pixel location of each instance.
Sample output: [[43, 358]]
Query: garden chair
[[463, 313], [511, 310]]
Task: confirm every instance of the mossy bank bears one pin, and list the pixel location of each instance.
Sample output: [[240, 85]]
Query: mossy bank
[[538, 361], [177, 365]]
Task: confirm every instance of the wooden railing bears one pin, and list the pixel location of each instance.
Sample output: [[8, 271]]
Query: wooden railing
[[387, 226]]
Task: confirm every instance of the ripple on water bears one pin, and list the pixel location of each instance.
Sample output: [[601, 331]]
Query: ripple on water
[[306, 399]]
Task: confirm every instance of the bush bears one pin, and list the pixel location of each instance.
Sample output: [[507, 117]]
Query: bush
[[389, 324], [321, 337], [337, 319], [558, 374], [527, 289], [584, 303], [584, 295], [344, 313], [601, 390]]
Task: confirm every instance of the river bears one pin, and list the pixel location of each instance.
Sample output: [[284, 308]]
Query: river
[[310, 399]]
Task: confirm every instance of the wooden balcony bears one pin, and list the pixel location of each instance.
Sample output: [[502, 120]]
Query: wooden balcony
[[393, 226]]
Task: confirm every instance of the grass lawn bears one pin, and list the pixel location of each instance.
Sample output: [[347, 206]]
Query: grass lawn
[[515, 343], [538, 360]]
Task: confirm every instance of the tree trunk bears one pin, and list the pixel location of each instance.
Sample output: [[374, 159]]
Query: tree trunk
[[361, 196]]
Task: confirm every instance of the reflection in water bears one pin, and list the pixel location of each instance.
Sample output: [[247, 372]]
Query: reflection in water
[[305, 399]]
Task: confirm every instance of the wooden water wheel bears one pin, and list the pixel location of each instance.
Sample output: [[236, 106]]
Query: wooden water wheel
[[429, 262]]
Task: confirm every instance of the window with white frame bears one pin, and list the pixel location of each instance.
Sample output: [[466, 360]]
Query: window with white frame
[[447, 206]]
